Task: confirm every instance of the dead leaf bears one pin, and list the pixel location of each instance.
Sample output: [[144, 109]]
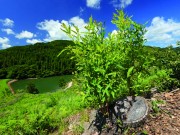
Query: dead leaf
[[168, 95]]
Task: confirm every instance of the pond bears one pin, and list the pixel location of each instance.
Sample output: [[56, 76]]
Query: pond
[[49, 84]]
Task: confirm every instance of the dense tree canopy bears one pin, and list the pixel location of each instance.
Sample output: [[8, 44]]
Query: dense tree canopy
[[39, 60]]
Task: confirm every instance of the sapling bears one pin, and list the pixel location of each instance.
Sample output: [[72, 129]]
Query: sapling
[[112, 66]]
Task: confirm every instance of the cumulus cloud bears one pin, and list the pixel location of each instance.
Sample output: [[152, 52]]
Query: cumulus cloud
[[114, 32], [25, 34], [176, 33], [93, 3], [163, 31], [5, 46], [79, 22], [33, 41], [8, 31], [4, 42], [53, 28], [7, 22], [121, 3]]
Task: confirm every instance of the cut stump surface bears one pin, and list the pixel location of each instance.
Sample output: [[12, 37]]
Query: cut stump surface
[[137, 112]]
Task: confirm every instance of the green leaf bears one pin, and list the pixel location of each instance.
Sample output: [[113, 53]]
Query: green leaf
[[100, 70], [62, 52], [107, 92], [130, 71], [91, 20], [112, 74], [112, 93]]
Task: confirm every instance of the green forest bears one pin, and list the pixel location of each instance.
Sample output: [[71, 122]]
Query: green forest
[[34, 61], [41, 60]]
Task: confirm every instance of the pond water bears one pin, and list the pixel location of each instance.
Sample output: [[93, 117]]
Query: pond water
[[49, 84]]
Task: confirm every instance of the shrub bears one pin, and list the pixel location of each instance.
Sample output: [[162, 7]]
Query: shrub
[[114, 66], [62, 82], [31, 88]]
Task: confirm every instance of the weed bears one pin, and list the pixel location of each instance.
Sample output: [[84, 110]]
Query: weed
[[155, 105], [78, 129]]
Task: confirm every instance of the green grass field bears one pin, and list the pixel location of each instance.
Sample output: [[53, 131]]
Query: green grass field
[[3, 84], [49, 84], [43, 113], [25, 113], [4, 90]]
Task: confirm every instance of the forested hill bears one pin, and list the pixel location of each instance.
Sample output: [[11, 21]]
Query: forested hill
[[38, 60]]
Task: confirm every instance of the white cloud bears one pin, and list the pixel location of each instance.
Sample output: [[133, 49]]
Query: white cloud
[[33, 41], [7, 22], [53, 27], [4, 43], [4, 40], [163, 31], [79, 22], [114, 32], [176, 33], [93, 3], [121, 3], [8, 31], [5, 46], [25, 34]]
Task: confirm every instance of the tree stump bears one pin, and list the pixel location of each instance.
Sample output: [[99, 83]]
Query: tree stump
[[131, 110]]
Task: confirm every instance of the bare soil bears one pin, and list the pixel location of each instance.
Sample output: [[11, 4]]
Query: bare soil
[[10, 87], [165, 122]]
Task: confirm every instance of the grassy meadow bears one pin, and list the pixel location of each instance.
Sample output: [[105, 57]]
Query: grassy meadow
[[49, 84], [4, 90], [3, 84], [25, 113]]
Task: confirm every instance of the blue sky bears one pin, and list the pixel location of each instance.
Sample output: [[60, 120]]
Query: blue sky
[[25, 22]]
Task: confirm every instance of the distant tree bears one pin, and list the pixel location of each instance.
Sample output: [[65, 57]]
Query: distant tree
[[31, 88], [3, 73], [178, 43], [62, 82], [36, 60]]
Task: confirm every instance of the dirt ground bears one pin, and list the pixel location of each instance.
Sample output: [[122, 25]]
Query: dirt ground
[[167, 122], [164, 122], [10, 87]]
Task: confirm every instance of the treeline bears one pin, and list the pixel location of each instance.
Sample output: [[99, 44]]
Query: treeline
[[168, 58], [39, 60]]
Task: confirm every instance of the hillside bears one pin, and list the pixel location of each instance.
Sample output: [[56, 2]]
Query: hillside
[[54, 112], [39, 60]]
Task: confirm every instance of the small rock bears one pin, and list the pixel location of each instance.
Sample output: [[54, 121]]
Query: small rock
[[129, 98], [122, 110], [127, 104]]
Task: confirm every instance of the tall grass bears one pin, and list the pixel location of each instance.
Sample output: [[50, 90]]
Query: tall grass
[[38, 114], [4, 89]]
